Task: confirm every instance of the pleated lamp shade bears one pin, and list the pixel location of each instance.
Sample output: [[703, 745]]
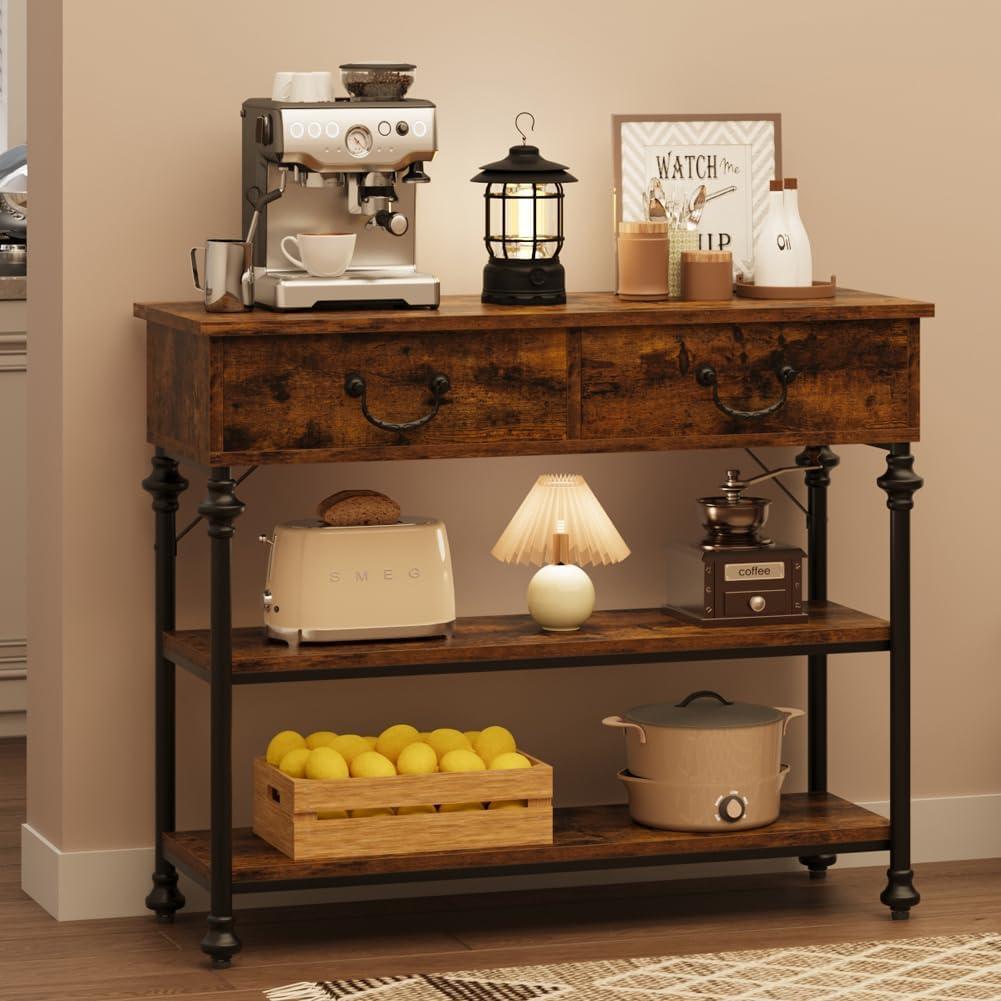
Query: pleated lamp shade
[[563, 498]]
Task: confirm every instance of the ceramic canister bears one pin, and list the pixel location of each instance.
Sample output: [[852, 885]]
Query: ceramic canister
[[642, 260]]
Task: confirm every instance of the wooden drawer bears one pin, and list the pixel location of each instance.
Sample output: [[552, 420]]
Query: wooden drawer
[[854, 381], [281, 396]]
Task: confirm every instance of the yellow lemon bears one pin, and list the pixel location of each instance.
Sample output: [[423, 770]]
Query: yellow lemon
[[459, 807], [423, 735], [417, 759], [508, 760], [281, 744], [492, 741], [326, 763], [446, 739], [349, 746], [322, 738], [508, 804], [402, 811], [372, 811], [461, 760], [371, 765], [371, 741], [393, 739], [332, 814], [294, 763], [472, 736]]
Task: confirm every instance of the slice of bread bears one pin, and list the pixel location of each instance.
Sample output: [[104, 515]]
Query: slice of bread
[[359, 507]]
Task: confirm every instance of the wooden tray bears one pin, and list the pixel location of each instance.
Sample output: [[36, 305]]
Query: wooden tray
[[819, 290], [285, 812]]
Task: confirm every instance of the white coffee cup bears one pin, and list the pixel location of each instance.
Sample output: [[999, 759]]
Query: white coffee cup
[[302, 88], [326, 255]]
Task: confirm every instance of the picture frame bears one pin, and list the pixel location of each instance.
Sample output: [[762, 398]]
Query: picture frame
[[733, 155]]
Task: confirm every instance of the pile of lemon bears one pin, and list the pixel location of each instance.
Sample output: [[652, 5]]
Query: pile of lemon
[[400, 749]]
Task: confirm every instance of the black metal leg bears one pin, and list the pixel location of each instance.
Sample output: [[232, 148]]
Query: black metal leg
[[900, 481], [817, 482], [165, 485], [220, 510]]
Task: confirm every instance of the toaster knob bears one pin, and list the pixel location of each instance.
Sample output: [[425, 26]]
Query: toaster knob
[[267, 596]]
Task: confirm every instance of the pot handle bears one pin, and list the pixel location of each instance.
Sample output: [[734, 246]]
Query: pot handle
[[705, 694], [625, 725], [790, 715], [783, 774]]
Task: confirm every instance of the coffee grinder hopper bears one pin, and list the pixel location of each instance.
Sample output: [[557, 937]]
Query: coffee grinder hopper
[[733, 521]]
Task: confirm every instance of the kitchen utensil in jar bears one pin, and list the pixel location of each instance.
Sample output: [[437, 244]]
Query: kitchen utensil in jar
[[227, 280], [696, 203]]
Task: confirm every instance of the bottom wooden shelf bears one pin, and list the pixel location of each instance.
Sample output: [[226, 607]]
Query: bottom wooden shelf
[[591, 837]]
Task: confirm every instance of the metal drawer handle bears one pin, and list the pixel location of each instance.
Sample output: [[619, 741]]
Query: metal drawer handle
[[354, 386], [705, 375]]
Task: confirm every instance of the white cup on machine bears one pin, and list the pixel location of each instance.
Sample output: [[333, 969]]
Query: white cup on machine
[[303, 88], [325, 255]]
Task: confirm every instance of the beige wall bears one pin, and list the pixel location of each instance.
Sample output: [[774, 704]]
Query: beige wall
[[886, 114]]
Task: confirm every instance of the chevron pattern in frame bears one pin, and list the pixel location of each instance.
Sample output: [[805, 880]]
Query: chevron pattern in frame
[[734, 156]]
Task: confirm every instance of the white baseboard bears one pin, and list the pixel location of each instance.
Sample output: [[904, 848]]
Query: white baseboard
[[76, 885], [101, 884]]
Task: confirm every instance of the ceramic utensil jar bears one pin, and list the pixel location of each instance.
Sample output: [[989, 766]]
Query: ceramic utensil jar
[[705, 762], [642, 256]]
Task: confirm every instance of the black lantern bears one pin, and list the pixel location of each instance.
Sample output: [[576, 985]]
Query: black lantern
[[524, 227]]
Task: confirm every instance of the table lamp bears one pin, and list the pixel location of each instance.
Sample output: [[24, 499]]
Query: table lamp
[[559, 526]]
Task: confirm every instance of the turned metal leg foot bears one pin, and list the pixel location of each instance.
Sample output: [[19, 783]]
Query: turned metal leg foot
[[900, 483], [220, 942], [165, 899], [900, 895], [818, 864]]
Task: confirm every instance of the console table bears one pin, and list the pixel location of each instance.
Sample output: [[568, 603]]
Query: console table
[[596, 375]]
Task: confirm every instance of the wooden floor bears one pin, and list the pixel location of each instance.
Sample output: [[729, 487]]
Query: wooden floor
[[43, 960]]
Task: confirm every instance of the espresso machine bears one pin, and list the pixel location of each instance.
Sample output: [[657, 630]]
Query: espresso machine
[[735, 575], [348, 165]]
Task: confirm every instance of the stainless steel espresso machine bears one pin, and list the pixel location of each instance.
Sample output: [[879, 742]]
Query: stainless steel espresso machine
[[351, 165]]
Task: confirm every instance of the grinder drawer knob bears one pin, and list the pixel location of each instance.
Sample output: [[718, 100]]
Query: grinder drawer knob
[[757, 603]]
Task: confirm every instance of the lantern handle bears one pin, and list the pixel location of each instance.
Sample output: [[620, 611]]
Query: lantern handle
[[524, 138]]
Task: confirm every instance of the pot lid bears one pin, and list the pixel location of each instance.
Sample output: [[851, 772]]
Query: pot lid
[[704, 711]]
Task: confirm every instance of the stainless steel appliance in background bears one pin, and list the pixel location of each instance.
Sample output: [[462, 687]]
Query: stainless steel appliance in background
[[14, 211], [352, 165]]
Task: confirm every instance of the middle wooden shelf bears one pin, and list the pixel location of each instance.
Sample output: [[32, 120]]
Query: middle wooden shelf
[[515, 642]]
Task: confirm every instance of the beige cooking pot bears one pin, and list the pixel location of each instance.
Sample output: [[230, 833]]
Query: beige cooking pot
[[708, 743]]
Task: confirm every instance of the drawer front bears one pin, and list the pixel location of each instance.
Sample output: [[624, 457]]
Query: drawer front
[[737, 603], [854, 381], [288, 394]]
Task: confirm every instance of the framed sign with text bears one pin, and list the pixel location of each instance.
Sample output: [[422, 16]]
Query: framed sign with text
[[661, 163]]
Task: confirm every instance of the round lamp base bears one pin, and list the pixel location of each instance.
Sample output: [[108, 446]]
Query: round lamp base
[[514, 282], [561, 598]]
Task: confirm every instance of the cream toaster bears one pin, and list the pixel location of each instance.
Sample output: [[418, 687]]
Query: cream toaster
[[359, 582]]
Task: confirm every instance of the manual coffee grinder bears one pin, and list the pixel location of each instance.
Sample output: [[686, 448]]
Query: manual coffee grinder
[[735, 575]]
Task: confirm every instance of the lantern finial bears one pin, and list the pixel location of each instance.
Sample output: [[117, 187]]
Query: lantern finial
[[524, 138]]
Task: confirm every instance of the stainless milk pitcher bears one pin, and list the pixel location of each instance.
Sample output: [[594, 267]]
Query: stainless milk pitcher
[[228, 275]]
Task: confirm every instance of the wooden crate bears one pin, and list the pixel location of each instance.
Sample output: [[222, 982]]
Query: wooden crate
[[285, 812]]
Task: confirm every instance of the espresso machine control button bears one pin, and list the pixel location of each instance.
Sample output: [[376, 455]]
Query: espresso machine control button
[[402, 128], [757, 603], [385, 128], [264, 130]]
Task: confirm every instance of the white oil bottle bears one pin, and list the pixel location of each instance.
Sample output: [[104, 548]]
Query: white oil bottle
[[774, 260], [797, 231]]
